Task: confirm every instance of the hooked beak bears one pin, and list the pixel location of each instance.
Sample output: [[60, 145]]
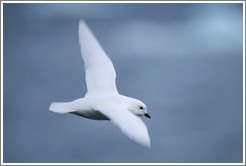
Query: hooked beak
[[147, 115]]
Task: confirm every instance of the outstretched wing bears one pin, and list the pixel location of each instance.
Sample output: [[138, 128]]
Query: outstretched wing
[[129, 124], [100, 72]]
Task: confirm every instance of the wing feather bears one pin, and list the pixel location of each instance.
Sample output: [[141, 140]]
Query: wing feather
[[129, 124], [100, 72]]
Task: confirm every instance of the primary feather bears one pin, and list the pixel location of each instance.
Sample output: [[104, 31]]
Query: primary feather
[[129, 124], [100, 72]]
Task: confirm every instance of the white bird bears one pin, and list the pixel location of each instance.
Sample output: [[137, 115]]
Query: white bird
[[102, 100]]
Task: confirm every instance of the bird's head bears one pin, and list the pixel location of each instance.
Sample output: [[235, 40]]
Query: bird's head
[[138, 108]]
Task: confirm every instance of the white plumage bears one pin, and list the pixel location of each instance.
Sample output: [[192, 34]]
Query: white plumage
[[100, 73], [102, 100]]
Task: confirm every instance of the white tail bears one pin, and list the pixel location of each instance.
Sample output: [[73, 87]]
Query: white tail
[[60, 107]]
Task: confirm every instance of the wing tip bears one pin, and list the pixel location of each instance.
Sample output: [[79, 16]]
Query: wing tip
[[143, 138], [81, 22], [84, 30], [146, 142]]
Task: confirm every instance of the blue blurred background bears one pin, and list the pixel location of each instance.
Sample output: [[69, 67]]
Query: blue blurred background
[[185, 61]]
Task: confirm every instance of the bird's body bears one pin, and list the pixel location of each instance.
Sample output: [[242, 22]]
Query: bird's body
[[87, 106], [102, 100]]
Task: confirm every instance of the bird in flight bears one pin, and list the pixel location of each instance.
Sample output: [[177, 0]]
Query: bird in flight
[[102, 100]]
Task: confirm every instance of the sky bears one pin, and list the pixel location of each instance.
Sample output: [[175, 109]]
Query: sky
[[184, 61]]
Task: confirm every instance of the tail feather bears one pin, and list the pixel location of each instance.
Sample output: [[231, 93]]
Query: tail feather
[[60, 107]]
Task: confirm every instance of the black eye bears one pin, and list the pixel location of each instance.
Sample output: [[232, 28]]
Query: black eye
[[141, 108]]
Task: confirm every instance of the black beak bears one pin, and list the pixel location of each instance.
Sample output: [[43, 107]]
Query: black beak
[[147, 115]]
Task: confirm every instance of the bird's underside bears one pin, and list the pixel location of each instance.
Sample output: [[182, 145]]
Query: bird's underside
[[91, 114]]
